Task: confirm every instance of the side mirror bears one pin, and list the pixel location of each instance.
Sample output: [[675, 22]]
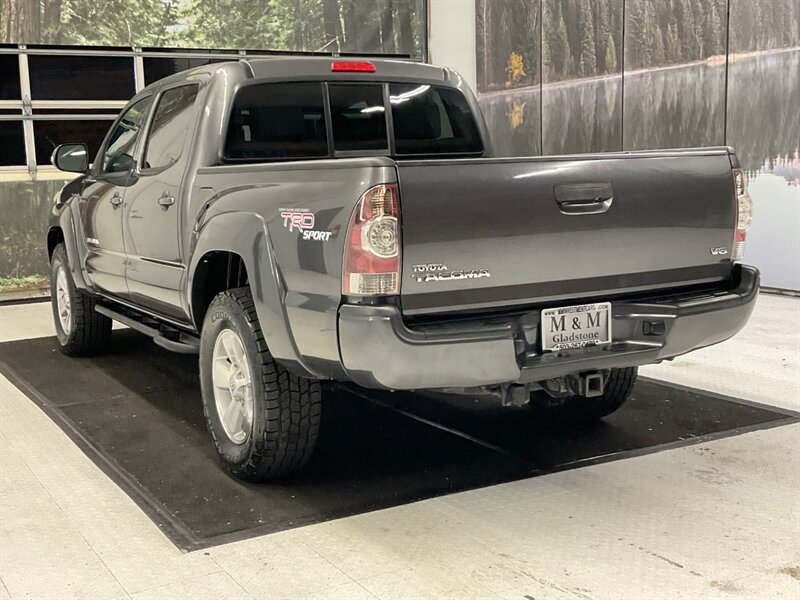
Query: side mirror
[[71, 157]]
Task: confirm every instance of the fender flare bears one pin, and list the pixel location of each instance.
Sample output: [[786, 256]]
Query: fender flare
[[64, 219], [245, 234]]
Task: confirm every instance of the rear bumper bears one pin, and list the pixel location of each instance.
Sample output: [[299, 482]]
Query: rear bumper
[[379, 350]]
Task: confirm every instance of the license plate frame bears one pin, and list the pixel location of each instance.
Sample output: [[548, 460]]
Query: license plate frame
[[558, 329]]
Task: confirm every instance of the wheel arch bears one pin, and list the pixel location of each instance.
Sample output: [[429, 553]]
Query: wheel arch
[[217, 271], [235, 248], [55, 236]]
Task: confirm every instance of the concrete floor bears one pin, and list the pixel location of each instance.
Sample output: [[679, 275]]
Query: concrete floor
[[716, 520]]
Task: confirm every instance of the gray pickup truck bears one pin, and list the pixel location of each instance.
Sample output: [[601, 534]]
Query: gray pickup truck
[[303, 220]]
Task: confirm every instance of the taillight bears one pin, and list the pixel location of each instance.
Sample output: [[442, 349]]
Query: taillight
[[372, 251], [744, 214]]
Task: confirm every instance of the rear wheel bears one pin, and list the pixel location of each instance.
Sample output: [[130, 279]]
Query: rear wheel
[[80, 330], [264, 420], [616, 391]]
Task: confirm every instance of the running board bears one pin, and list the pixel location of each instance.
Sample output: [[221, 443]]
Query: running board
[[164, 336]]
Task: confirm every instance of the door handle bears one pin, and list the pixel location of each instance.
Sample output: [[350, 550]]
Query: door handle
[[116, 200], [589, 207], [584, 198], [166, 201]]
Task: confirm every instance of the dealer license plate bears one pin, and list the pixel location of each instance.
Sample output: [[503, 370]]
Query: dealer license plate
[[576, 326]]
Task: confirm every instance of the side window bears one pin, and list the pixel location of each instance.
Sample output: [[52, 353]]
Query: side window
[[169, 128], [358, 117], [118, 153], [277, 121]]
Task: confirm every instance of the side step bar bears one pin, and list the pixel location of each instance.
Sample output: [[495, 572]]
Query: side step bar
[[166, 337]]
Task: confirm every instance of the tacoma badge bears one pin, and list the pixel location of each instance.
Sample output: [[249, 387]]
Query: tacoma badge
[[440, 272]]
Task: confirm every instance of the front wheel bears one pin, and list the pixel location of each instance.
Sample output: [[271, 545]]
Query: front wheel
[[616, 391], [264, 420], [81, 331]]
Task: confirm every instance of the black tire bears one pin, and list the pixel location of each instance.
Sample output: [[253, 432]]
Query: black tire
[[88, 332], [286, 408], [616, 392]]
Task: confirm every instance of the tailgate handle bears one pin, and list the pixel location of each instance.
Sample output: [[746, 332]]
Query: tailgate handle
[[584, 198]]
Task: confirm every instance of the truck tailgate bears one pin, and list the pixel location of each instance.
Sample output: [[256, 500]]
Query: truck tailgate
[[484, 233]]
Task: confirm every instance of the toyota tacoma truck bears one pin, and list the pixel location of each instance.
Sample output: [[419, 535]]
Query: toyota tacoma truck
[[302, 220]]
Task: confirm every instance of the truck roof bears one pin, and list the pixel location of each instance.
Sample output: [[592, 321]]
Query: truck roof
[[320, 67]]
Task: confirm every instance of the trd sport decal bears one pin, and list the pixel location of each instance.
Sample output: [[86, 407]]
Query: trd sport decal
[[303, 220]]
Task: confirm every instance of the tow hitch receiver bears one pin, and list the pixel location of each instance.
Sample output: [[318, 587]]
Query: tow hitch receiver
[[590, 385]]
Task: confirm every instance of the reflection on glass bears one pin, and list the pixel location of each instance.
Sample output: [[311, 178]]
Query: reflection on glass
[[118, 155], [169, 127], [401, 97], [432, 120], [513, 121]]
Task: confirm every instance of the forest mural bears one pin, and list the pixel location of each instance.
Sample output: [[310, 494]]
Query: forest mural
[[550, 72], [376, 26], [575, 76]]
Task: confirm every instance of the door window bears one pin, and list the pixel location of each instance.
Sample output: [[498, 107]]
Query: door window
[[169, 128], [118, 154]]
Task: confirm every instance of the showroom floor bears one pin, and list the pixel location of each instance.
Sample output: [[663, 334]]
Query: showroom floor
[[716, 519]]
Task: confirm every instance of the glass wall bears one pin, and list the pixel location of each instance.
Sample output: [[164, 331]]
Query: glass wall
[[638, 74]]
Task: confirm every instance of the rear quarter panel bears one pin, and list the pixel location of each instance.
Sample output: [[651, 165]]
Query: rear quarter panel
[[296, 281]]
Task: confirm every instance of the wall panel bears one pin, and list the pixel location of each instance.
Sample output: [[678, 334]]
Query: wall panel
[[582, 73], [508, 73], [674, 73]]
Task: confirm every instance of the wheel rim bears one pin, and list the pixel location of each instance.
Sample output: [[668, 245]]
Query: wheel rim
[[233, 386], [63, 304]]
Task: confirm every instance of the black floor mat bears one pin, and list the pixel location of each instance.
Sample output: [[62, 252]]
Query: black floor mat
[[136, 412]]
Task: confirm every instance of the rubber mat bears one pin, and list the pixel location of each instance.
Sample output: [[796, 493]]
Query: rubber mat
[[136, 412]]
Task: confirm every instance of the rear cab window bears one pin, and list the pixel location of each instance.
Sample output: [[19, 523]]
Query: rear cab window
[[358, 117], [277, 121], [305, 120], [432, 120]]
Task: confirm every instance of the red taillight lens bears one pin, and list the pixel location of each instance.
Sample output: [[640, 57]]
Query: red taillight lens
[[744, 214], [372, 251], [352, 66]]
